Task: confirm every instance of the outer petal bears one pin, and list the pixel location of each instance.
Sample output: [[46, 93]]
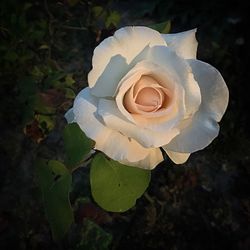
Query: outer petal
[[112, 143], [214, 91], [112, 57], [203, 128], [177, 158], [153, 158], [183, 43], [178, 67], [69, 116], [113, 118]]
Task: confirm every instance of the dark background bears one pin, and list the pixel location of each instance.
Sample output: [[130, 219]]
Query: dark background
[[46, 49]]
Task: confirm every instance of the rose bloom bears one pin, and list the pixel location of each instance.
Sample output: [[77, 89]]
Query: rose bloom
[[147, 90]]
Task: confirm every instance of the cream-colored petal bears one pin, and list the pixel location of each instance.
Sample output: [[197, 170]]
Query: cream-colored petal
[[106, 84], [113, 119], [113, 56], [180, 69], [69, 116], [214, 91], [197, 135], [203, 128], [153, 158], [85, 106], [177, 158], [112, 143], [161, 119], [183, 43]]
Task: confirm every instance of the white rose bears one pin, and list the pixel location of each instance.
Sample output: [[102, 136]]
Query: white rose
[[147, 90]]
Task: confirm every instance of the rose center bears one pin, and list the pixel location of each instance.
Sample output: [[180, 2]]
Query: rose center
[[147, 95], [148, 99]]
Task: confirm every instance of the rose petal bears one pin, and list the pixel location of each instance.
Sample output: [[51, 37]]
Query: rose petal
[[112, 143], [163, 119], [115, 69], [203, 127], [69, 116], [177, 158], [112, 57], [142, 91], [113, 119], [214, 90], [163, 95], [148, 97], [181, 70], [183, 43], [153, 158]]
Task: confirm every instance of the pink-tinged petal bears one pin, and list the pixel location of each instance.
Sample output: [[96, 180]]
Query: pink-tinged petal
[[146, 95], [183, 43], [177, 158], [203, 128], [114, 120], [112, 143], [165, 118], [113, 57]]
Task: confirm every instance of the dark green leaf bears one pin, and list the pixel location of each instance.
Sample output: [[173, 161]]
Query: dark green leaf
[[53, 79], [115, 187], [55, 182], [11, 56], [163, 27], [113, 19], [41, 107], [77, 145], [69, 93], [94, 237], [73, 2], [97, 11], [69, 81], [44, 46], [46, 122]]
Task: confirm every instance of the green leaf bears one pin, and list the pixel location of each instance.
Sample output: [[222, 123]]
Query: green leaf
[[113, 19], [115, 187], [93, 237], [11, 56], [41, 107], [69, 81], [27, 6], [27, 88], [97, 11], [53, 79], [163, 27], [44, 46], [55, 182], [37, 73], [69, 93], [77, 145], [73, 2], [46, 122]]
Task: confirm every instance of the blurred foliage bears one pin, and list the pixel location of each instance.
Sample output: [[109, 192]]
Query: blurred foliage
[[55, 182], [94, 237], [46, 49]]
